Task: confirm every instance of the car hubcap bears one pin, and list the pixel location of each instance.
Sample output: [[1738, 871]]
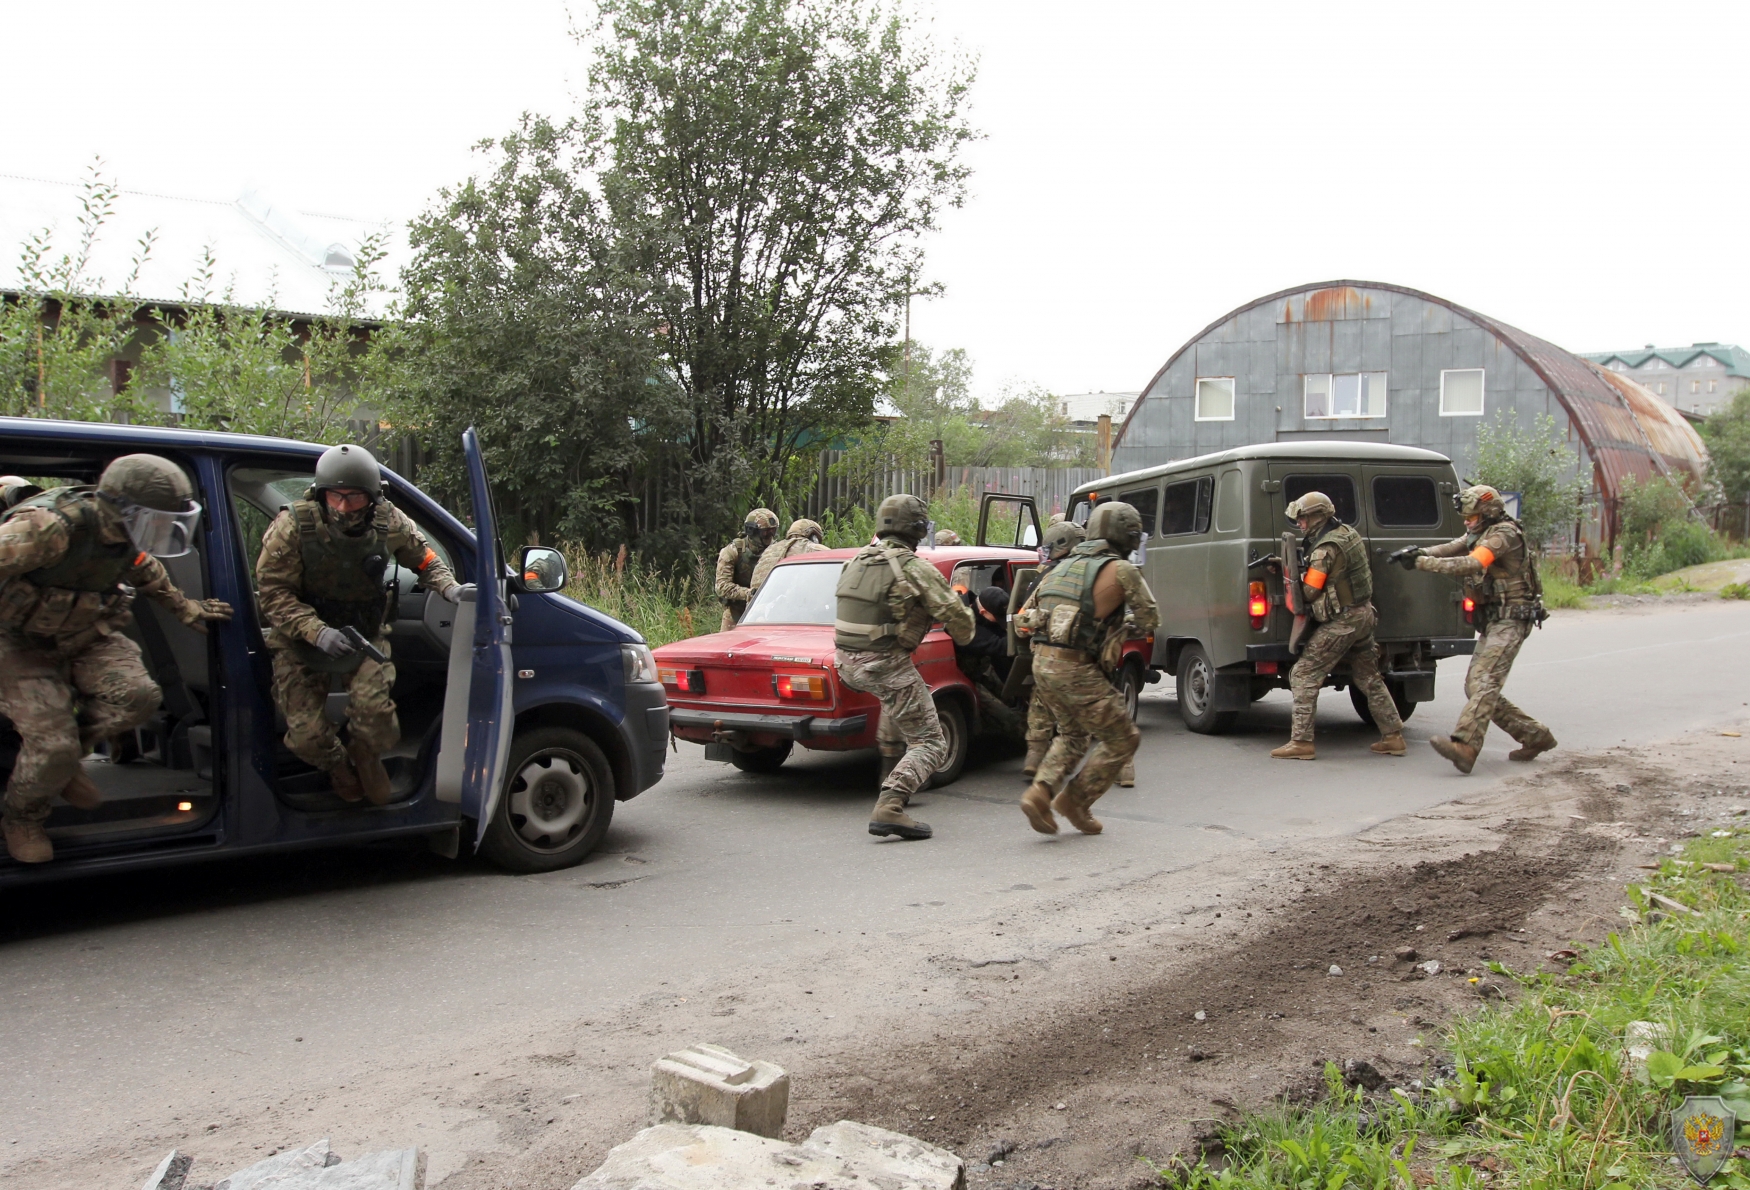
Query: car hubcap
[[1132, 695], [1197, 687], [549, 800]]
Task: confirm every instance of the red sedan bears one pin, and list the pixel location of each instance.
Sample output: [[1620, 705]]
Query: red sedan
[[752, 693]]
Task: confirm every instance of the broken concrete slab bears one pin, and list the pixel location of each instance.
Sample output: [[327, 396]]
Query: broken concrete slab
[[314, 1167], [838, 1156], [707, 1084]]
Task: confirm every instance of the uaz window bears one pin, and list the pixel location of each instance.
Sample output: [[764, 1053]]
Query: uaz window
[[1186, 508], [1340, 488], [1405, 501]]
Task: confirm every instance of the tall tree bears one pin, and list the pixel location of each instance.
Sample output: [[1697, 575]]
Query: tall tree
[[775, 164]]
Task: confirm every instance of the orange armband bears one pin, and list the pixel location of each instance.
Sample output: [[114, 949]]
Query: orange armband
[[1485, 555], [1316, 579], [430, 557]]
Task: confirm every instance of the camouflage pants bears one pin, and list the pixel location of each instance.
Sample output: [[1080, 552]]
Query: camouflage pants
[[908, 723], [1090, 713], [1346, 635], [36, 693], [301, 694], [1489, 665], [731, 615]]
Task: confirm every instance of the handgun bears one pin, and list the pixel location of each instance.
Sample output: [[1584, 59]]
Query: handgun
[[364, 646]]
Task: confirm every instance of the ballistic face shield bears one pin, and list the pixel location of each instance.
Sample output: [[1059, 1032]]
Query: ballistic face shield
[[159, 533]]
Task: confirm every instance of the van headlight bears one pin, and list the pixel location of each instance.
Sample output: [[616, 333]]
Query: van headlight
[[640, 663]]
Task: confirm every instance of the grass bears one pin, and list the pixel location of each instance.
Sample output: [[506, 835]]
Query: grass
[[661, 606], [1542, 1093]]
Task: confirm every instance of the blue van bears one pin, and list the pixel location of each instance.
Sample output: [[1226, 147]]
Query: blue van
[[524, 715]]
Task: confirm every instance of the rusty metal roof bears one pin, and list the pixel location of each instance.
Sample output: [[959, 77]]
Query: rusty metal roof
[[1628, 432]]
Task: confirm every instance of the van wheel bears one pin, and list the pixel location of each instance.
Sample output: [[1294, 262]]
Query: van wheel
[[762, 760], [558, 800], [1197, 694], [1358, 700], [953, 719], [1130, 688]]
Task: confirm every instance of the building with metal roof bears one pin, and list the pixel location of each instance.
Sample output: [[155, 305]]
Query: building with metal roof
[[1698, 380], [1363, 361]]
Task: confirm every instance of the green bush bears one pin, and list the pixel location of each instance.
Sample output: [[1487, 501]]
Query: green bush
[[1659, 531], [661, 606], [1735, 591]]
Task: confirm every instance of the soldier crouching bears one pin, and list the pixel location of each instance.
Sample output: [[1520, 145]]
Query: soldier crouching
[[887, 599], [68, 559], [321, 572]]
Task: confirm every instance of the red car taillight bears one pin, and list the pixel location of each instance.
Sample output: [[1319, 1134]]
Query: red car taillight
[[687, 681], [804, 686], [1470, 607], [1258, 605]]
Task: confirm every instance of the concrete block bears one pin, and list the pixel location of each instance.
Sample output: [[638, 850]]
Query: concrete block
[[707, 1084], [841, 1155], [317, 1167]]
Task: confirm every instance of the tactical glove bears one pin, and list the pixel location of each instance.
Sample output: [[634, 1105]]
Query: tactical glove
[[453, 592], [1407, 556], [197, 613], [333, 642]]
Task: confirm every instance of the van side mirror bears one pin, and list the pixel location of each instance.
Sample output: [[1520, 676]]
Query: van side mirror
[[540, 569]]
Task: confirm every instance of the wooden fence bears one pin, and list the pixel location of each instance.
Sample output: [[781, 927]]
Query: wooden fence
[[835, 491]]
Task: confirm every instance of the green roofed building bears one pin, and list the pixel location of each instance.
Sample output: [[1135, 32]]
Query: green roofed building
[[1697, 380]]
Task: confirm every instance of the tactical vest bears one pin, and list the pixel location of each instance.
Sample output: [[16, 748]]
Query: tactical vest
[[83, 586], [1066, 598], [1511, 579], [343, 577], [865, 622], [1355, 584], [747, 556]]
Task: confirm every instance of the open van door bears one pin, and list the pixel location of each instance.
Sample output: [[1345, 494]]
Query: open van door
[[1016, 521], [475, 744]]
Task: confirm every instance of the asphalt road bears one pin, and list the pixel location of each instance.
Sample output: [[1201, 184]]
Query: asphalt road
[[130, 1005]]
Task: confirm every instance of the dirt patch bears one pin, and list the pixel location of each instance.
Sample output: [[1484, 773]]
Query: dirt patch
[[1359, 971]]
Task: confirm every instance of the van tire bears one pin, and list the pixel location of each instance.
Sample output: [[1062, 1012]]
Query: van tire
[[1196, 684], [578, 808], [762, 760], [1358, 700], [1130, 687], [952, 715]]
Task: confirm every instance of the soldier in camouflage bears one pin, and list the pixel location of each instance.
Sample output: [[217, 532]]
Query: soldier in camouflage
[[1495, 565], [72, 561], [1060, 538], [1077, 621], [887, 599], [803, 537], [322, 571], [946, 537], [736, 563], [1338, 590]]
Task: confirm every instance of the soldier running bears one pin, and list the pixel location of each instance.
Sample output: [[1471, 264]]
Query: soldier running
[[887, 599], [321, 571], [736, 562], [803, 537], [1060, 538], [65, 556], [1077, 619], [1495, 564], [1338, 589]]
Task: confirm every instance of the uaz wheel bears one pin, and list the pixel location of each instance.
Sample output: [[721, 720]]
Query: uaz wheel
[[1358, 700], [1196, 683], [558, 800]]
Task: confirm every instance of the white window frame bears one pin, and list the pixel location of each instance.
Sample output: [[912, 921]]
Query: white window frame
[[1482, 405], [1330, 379], [1197, 399]]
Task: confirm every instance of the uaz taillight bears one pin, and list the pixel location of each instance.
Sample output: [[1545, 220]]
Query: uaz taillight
[[1258, 605], [687, 681], [809, 687], [1470, 608]]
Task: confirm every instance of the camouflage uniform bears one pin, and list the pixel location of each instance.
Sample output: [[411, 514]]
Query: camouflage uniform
[[909, 731], [947, 537], [1493, 564], [736, 562], [286, 593], [802, 538], [53, 650], [1344, 633], [1077, 690]]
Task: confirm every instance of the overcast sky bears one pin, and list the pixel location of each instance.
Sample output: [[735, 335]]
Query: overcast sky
[[1576, 170]]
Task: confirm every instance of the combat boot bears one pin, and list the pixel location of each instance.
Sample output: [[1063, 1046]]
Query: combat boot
[[1036, 805], [1532, 751], [1073, 806], [1295, 750], [81, 792], [1391, 745], [345, 782], [28, 842], [1462, 755], [1127, 774], [373, 777], [1035, 758], [890, 818]]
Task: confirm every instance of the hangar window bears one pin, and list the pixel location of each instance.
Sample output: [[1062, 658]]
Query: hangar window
[[1215, 398], [1345, 394], [1461, 392]]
